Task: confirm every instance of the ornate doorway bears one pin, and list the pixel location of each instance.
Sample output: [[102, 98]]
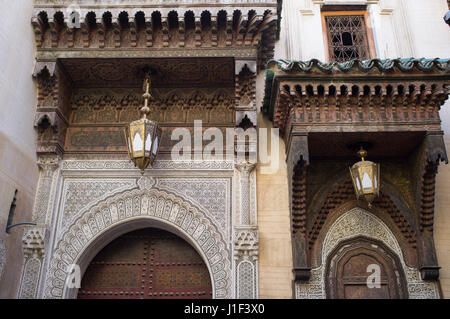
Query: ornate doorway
[[351, 264], [146, 264]]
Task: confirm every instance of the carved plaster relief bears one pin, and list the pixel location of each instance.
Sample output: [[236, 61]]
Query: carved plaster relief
[[211, 194], [86, 165], [79, 192], [85, 187], [46, 188], [33, 250], [147, 203]]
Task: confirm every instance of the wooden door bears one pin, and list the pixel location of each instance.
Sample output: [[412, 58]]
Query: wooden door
[[347, 273], [145, 264]]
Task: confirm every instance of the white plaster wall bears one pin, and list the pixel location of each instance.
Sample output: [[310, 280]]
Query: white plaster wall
[[304, 39], [18, 168], [17, 90], [401, 28], [430, 37]]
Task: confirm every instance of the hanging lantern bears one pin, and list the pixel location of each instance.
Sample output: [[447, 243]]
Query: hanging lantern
[[143, 136], [366, 178]]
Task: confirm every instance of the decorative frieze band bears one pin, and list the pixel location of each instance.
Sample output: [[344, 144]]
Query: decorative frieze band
[[325, 104], [157, 28], [158, 3], [83, 165]]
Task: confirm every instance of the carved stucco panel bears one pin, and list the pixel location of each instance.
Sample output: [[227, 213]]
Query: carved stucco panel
[[30, 278], [246, 277], [358, 222], [124, 206], [45, 195], [212, 194], [83, 189], [86, 165], [78, 193]]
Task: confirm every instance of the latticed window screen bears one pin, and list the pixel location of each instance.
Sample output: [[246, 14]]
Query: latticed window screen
[[347, 37]]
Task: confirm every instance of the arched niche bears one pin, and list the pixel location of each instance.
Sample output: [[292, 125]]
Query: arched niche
[[354, 223]]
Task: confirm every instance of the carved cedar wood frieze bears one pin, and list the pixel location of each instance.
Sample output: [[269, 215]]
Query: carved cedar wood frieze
[[167, 73], [120, 106], [93, 119], [75, 115], [142, 28], [391, 92]]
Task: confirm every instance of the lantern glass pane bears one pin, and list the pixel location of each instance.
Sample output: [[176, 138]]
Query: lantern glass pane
[[148, 143], [366, 181], [155, 146], [137, 142], [358, 185]]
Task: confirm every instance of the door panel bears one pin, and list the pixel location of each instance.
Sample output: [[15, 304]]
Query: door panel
[[352, 276], [347, 271], [143, 264]]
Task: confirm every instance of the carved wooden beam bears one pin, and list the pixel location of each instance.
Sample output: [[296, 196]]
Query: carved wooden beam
[[433, 152], [240, 30], [300, 251], [309, 103], [297, 163], [51, 118]]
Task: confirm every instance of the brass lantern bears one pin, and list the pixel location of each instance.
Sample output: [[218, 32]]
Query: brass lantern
[[366, 178], [143, 136]]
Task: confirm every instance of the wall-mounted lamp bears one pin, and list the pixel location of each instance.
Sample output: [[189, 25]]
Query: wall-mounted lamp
[[366, 178], [447, 17], [143, 136]]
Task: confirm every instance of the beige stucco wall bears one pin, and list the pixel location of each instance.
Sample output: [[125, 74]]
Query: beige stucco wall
[[275, 263], [442, 223], [425, 16], [18, 168], [275, 250]]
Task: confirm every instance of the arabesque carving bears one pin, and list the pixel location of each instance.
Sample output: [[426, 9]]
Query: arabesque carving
[[140, 203], [159, 28], [33, 251]]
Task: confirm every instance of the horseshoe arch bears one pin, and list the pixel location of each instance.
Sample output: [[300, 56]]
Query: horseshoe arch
[[131, 210]]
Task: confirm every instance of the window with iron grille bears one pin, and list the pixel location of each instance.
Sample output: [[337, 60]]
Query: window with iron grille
[[347, 37]]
